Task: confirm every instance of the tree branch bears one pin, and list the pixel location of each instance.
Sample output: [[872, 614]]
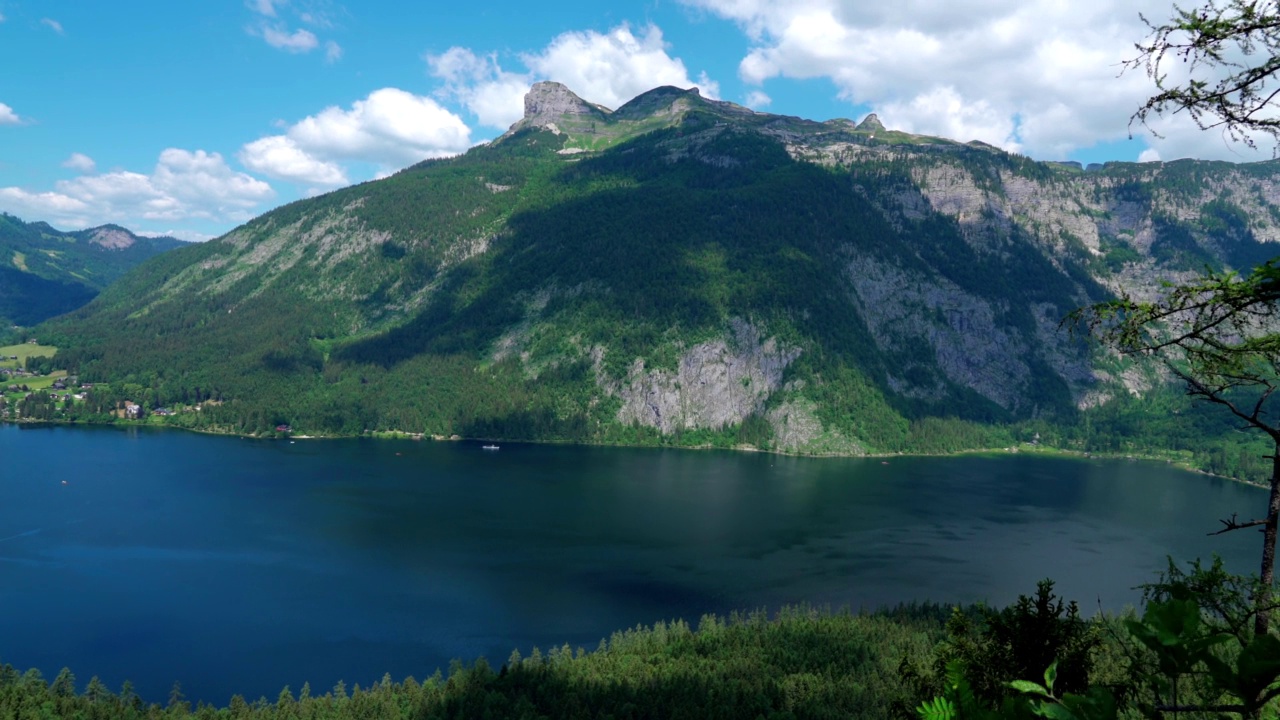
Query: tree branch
[[1233, 524]]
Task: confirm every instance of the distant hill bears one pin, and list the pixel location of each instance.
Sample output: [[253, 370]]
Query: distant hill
[[678, 270], [46, 272]]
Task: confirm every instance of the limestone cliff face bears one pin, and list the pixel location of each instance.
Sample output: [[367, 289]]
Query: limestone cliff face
[[718, 383], [112, 238], [554, 107], [907, 311], [934, 334]]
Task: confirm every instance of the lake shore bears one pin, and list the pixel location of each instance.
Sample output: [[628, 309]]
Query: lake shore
[[1039, 450]]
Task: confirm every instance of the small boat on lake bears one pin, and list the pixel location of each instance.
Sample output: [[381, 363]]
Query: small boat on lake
[[490, 447]]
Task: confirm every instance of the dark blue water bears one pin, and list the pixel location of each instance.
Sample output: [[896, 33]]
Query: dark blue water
[[238, 566]]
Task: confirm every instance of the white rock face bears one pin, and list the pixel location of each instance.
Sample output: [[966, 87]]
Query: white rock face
[[718, 383], [796, 428], [554, 107], [111, 238]]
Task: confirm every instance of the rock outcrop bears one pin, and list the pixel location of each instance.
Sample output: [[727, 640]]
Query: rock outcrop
[[111, 237], [870, 123], [717, 383], [555, 107]]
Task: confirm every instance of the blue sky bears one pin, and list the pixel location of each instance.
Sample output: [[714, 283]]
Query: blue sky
[[191, 117]]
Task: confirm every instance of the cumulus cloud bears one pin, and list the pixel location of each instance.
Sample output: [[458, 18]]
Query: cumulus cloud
[[184, 185], [8, 116], [943, 111], [299, 41], [605, 68], [81, 162], [53, 25], [390, 128], [495, 96], [1038, 76], [280, 157], [612, 68]]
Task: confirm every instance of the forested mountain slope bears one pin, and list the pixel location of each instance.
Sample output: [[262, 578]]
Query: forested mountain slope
[[678, 270], [46, 272]]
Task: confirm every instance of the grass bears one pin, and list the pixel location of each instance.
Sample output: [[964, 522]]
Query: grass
[[23, 352], [40, 383]]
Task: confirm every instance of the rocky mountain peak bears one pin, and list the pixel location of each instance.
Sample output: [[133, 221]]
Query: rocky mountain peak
[[660, 100], [871, 123], [548, 103], [111, 237]]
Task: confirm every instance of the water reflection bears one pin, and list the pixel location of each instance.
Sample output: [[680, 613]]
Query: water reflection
[[240, 566]]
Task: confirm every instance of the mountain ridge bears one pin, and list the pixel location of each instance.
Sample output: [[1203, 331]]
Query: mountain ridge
[[45, 271], [679, 270]]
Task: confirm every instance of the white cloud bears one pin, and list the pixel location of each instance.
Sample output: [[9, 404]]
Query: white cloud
[[612, 68], [1038, 76], [1149, 155], [280, 157], [201, 178], [945, 113], [264, 7], [757, 99], [494, 95], [183, 185], [604, 68], [1177, 136], [8, 116], [300, 41], [390, 128], [81, 162], [332, 52], [53, 25], [40, 204], [181, 234], [276, 23]]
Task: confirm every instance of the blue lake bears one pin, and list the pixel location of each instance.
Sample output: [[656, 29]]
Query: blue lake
[[240, 566]]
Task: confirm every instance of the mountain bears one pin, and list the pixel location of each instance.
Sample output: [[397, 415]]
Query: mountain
[[678, 270], [46, 272]]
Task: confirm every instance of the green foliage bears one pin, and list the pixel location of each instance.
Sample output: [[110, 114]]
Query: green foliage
[[1019, 641], [800, 664], [1176, 246], [1192, 651], [1229, 54], [46, 272]]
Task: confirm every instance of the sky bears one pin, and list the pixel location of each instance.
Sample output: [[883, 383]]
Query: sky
[[190, 118]]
